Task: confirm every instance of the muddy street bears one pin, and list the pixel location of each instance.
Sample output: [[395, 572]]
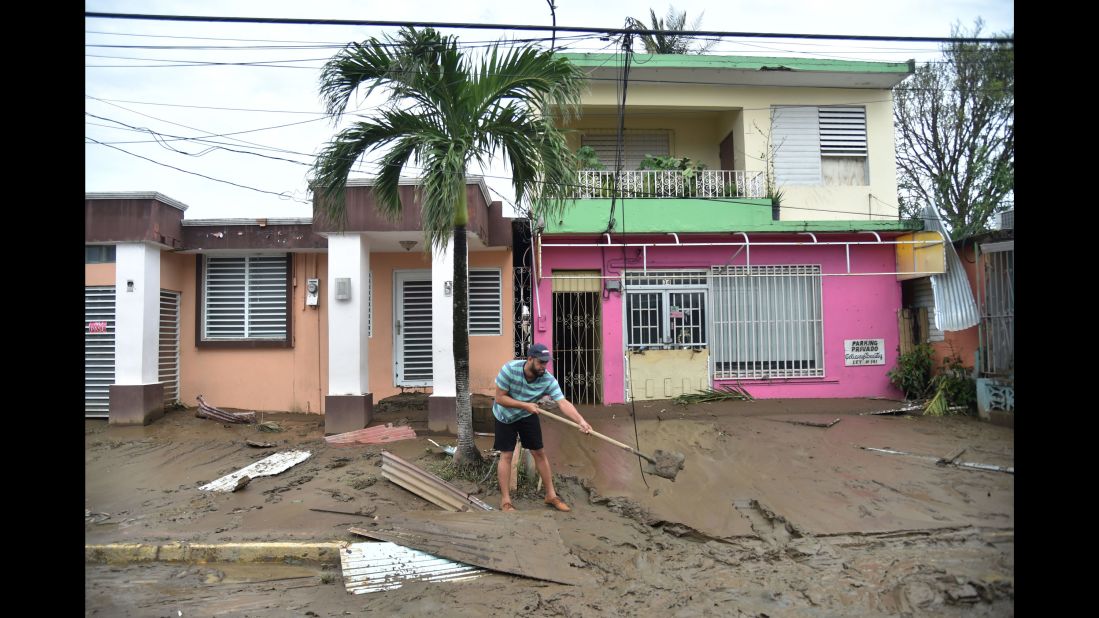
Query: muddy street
[[768, 516]]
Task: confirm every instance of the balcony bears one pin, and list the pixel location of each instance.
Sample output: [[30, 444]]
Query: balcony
[[662, 184]]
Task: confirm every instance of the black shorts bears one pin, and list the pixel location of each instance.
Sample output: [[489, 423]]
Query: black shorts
[[528, 428]]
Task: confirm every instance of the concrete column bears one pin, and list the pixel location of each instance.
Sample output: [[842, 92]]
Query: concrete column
[[441, 412], [137, 396], [349, 403]]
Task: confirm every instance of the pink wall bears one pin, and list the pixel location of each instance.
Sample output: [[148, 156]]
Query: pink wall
[[855, 307]]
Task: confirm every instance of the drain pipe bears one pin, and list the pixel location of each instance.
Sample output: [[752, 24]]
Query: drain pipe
[[536, 281], [747, 253]]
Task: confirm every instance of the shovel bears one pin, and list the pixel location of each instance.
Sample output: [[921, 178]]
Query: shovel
[[666, 464]]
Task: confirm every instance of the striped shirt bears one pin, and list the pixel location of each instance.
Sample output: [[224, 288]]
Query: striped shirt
[[514, 383]]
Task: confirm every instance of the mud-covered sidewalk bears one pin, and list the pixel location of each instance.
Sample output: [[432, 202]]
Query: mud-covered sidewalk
[[768, 515]]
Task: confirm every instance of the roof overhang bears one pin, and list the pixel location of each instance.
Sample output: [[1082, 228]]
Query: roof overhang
[[669, 69]]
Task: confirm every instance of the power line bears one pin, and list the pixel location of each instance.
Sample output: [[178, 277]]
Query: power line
[[482, 26], [282, 195]]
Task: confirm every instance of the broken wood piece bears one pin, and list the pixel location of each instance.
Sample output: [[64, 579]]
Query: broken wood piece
[[960, 464], [428, 486], [358, 513], [522, 543], [258, 444], [268, 466], [370, 567], [950, 460], [825, 425], [206, 410], [371, 435]]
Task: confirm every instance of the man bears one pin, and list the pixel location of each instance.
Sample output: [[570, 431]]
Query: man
[[518, 386]]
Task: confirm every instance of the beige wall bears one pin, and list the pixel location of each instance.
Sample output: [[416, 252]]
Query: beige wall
[[285, 379], [747, 111], [486, 353], [295, 379], [98, 274]]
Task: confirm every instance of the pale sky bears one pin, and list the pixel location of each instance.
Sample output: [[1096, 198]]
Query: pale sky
[[140, 108]]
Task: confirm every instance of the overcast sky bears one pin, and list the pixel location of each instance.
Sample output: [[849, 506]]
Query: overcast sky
[[148, 84]]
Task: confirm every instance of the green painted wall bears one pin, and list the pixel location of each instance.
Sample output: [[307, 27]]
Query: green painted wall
[[648, 216]]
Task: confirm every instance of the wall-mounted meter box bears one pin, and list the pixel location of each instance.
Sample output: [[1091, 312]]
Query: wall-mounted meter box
[[312, 292], [343, 288]]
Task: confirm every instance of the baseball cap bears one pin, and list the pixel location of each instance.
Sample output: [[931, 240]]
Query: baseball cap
[[540, 352]]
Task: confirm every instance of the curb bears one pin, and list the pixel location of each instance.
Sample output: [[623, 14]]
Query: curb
[[125, 553]]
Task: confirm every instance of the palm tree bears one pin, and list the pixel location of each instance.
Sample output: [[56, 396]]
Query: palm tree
[[669, 43], [445, 111]]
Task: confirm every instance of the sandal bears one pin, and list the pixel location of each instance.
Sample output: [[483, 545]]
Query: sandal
[[506, 506], [557, 503]]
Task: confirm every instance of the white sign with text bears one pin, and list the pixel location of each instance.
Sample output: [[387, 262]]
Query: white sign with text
[[863, 352]]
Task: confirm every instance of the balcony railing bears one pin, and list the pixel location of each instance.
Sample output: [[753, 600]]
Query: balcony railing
[[671, 183]]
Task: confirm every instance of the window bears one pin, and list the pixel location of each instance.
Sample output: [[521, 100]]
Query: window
[[99, 254], [666, 310], [819, 145], [485, 301], [635, 145], [767, 322], [246, 298]]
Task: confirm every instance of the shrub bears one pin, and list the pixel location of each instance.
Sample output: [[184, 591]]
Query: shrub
[[913, 372]]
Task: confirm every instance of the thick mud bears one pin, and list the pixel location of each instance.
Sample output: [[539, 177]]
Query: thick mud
[[765, 517]]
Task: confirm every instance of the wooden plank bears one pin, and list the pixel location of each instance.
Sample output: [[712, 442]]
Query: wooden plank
[[824, 424], [519, 543]]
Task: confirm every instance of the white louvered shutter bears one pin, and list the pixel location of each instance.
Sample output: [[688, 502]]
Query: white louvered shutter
[[485, 301], [245, 298], [796, 141], [842, 131]]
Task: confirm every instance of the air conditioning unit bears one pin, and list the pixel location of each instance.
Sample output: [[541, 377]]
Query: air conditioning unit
[[1007, 219]]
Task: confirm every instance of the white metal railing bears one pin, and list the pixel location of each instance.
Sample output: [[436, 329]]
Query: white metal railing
[[671, 183]]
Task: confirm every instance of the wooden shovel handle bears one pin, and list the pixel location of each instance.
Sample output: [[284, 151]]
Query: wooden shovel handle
[[598, 435]]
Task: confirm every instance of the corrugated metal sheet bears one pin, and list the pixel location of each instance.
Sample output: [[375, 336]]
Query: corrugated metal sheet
[[269, 466], [955, 307], [370, 567], [795, 137], [428, 486], [371, 435]]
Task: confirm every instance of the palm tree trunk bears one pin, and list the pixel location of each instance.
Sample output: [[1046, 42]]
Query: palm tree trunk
[[467, 453]]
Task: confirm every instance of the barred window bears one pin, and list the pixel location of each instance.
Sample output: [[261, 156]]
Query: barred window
[[666, 310], [767, 322]]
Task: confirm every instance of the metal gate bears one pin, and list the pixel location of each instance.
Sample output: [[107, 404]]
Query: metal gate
[[998, 309], [98, 349], [412, 359], [169, 345], [577, 335], [523, 317]]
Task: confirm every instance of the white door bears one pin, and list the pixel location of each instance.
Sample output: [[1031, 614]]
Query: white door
[[412, 329]]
